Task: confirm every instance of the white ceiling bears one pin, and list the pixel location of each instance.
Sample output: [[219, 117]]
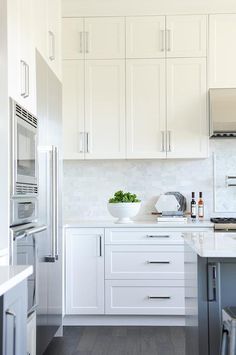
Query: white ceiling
[[144, 7]]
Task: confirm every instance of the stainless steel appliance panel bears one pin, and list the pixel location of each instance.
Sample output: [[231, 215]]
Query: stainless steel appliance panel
[[222, 112], [23, 210], [24, 251], [50, 204], [24, 166]]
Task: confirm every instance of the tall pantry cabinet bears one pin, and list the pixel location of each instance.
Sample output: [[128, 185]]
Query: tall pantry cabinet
[[142, 87]]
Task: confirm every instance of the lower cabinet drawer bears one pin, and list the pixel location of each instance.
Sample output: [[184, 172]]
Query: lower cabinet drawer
[[144, 297], [144, 262]]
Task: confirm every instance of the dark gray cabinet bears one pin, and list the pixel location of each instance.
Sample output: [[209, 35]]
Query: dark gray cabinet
[[210, 286], [13, 326]]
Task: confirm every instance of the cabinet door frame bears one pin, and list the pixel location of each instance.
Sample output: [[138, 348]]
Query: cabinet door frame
[[159, 40], [73, 38], [219, 77], [90, 150], [200, 51], [98, 234], [78, 111], [160, 150], [171, 133], [97, 48]]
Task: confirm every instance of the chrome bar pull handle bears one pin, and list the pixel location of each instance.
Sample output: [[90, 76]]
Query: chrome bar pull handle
[[169, 141], [211, 282], [13, 315], [163, 141], [54, 203], [87, 41], [159, 297], [81, 44], [168, 40], [23, 78], [162, 46], [100, 245], [158, 262], [87, 143], [56, 195], [158, 236], [51, 45]]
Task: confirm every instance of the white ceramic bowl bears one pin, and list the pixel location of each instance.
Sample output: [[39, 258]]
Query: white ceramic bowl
[[124, 211]]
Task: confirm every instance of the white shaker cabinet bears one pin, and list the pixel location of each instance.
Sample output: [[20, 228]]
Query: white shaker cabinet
[[84, 271], [186, 36], [166, 36], [73, 108], [47, 24], [93, 38], [104, 38], [145, 37], [73, 38], [54, 36], [104, 109], [21, 54], [145, 91], [222, 51], [94, 109], [187, 131]]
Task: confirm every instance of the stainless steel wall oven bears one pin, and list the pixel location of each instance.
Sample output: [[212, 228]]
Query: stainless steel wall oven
[[24, 162]]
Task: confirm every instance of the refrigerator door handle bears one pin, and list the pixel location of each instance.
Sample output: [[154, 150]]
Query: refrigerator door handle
[[54, 203], [211, 282], [55, 189]]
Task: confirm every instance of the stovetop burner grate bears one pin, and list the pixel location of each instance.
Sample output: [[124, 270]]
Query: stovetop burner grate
[[223, 220]]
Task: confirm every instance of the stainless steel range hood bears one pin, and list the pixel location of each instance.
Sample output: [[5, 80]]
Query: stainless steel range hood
[[222, 112]]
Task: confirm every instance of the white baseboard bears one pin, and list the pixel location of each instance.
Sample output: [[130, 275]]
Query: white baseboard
[[103, 320]]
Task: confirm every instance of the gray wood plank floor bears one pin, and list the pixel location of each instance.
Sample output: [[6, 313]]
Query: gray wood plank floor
[[119, 341]]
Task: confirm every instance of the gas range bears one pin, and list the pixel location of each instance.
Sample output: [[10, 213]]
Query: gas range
[[224, 224]]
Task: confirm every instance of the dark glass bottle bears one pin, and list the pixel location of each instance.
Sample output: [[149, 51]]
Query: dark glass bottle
[[193, 207]]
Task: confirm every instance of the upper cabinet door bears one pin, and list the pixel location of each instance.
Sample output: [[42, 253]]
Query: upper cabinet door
[[73, 109], [73, 38], [145, 100], [186, 36], [54, 36], [21, 54], [104, 38], [187, 131], [105, 109], [222, 51], [145, 37]]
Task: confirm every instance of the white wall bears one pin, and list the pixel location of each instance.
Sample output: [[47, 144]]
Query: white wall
[[4, 155], [89, 184], [144, 7]]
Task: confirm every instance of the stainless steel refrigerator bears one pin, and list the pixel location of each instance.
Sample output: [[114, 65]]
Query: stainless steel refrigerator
[[49, 112]]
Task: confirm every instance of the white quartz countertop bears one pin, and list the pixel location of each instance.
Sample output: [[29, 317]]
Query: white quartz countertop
[[10, 276], [136, 224], [212, 244]]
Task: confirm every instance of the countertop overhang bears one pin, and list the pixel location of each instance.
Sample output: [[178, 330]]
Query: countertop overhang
[[212, 244], [12, 275]]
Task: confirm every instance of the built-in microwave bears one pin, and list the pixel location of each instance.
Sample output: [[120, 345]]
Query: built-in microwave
[[23, 210], [24, 163]]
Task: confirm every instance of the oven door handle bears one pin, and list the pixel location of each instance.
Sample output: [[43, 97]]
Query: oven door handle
[[29, 232], [35, 230]]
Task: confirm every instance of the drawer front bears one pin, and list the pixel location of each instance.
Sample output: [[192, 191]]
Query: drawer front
[[142, 236], [146, 298], [144, 262]]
